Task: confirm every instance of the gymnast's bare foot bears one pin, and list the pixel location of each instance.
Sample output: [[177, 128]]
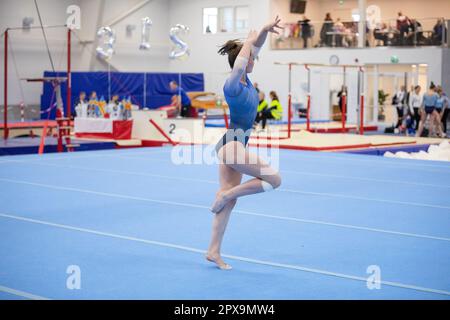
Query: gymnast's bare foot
[[218, 261], [220, 202]]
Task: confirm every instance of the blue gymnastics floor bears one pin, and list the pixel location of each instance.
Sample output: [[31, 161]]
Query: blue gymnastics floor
[[137, 226]]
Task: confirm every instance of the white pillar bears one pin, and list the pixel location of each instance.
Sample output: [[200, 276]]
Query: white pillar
[[362, 24]]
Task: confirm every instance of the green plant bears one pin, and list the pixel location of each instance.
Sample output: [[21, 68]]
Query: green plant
[[382, 97]]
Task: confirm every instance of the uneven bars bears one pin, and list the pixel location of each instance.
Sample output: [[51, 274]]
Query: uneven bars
[[319, 64], [45, 27]]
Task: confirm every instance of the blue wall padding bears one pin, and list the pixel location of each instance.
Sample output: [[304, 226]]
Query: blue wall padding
[[128, 84]]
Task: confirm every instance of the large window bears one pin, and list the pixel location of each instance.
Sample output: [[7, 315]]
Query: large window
[[210, 20], [241, 22], [225, 20]]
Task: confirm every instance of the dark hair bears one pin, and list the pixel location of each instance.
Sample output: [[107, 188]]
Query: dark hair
[[82, 92], [232, 49], [274, 95], [432, 86], [416, 87]]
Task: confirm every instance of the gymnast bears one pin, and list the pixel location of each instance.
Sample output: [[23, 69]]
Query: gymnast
[[235, 160]]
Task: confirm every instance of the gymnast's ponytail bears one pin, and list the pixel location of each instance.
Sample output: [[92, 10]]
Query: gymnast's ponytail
[[232, 49]]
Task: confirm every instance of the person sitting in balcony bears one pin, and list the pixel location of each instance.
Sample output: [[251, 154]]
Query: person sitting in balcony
[[380, 34], [415, 34]]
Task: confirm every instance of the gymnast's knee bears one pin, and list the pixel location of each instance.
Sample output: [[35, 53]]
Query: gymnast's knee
[[271, 182]]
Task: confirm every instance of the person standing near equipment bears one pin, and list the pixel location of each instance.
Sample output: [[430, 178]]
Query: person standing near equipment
[[341, 94], [445, 110], [261, 107], [441, 105], [235, 159], [184, 106], [399, 102], [429, 109], [415, 103]]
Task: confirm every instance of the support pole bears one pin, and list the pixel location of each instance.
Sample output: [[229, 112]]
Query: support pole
[[5, 88], [344, 101], [344, 110], [361, 101], [289, 101], [361, 128], [308, 102], [362, 23], [225, 117], [69, 75]]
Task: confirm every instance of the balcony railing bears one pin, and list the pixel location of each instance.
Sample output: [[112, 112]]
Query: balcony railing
[[337, 34]]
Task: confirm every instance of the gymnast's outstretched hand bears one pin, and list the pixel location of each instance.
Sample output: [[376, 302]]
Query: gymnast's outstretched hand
[[272, 28]]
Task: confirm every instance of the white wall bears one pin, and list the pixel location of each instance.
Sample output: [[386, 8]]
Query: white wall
[[29, 48], [204, 57], [31, 55]]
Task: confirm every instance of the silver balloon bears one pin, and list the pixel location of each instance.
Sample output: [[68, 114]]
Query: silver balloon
[[181, 49], [146, 25], [107, 38]]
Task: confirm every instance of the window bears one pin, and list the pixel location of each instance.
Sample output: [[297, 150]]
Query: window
[[241, 24], [210, 20], [225, 19]]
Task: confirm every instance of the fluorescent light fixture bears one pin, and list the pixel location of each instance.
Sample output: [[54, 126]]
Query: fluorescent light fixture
[[355, 15]]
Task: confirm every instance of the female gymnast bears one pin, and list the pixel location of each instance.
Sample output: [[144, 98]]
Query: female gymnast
[[235, 159]]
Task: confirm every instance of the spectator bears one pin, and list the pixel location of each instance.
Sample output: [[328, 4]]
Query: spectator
[[399, 101], [262, 106], [445, 111], [341, 94], [415, 34], [380, 33], [92, 109], [114, 108], [403, 24], [274, 111], [93, 96], [81, 105], [439, 31], [429, 110], [415, 103], [256, 85], [340, 28], [441, 106], [185, 105], [305, 30], [325, 38]]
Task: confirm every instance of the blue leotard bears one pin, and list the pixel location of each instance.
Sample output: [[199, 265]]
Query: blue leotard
[[242, 99]]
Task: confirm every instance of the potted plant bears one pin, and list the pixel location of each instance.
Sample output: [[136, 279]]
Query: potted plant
[[382, 97]]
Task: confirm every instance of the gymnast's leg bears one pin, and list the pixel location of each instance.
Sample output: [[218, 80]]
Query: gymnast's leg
[[228, 179], [236, 156]]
